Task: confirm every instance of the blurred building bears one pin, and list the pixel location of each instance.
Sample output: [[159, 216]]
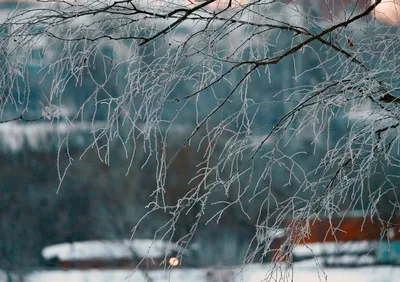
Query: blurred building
[[351, 240]]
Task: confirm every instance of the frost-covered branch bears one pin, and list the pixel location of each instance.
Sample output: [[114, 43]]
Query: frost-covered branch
[[294, 114]]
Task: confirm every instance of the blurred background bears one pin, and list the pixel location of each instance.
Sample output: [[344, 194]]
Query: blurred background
[[99, 202]]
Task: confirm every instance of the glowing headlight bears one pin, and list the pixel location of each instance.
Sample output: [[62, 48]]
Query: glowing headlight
[[173, 261]]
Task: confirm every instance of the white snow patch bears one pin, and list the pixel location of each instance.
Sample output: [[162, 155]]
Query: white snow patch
[[270, 233], [14, 135], [3, 276], [124, 249], [350, 260], [366, 113], [330, 248]]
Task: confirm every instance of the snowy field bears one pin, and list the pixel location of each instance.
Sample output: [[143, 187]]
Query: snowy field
[[303, 272]]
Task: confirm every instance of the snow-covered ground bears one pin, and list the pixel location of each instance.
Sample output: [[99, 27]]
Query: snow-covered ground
[[86, 276], [306, 271]]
